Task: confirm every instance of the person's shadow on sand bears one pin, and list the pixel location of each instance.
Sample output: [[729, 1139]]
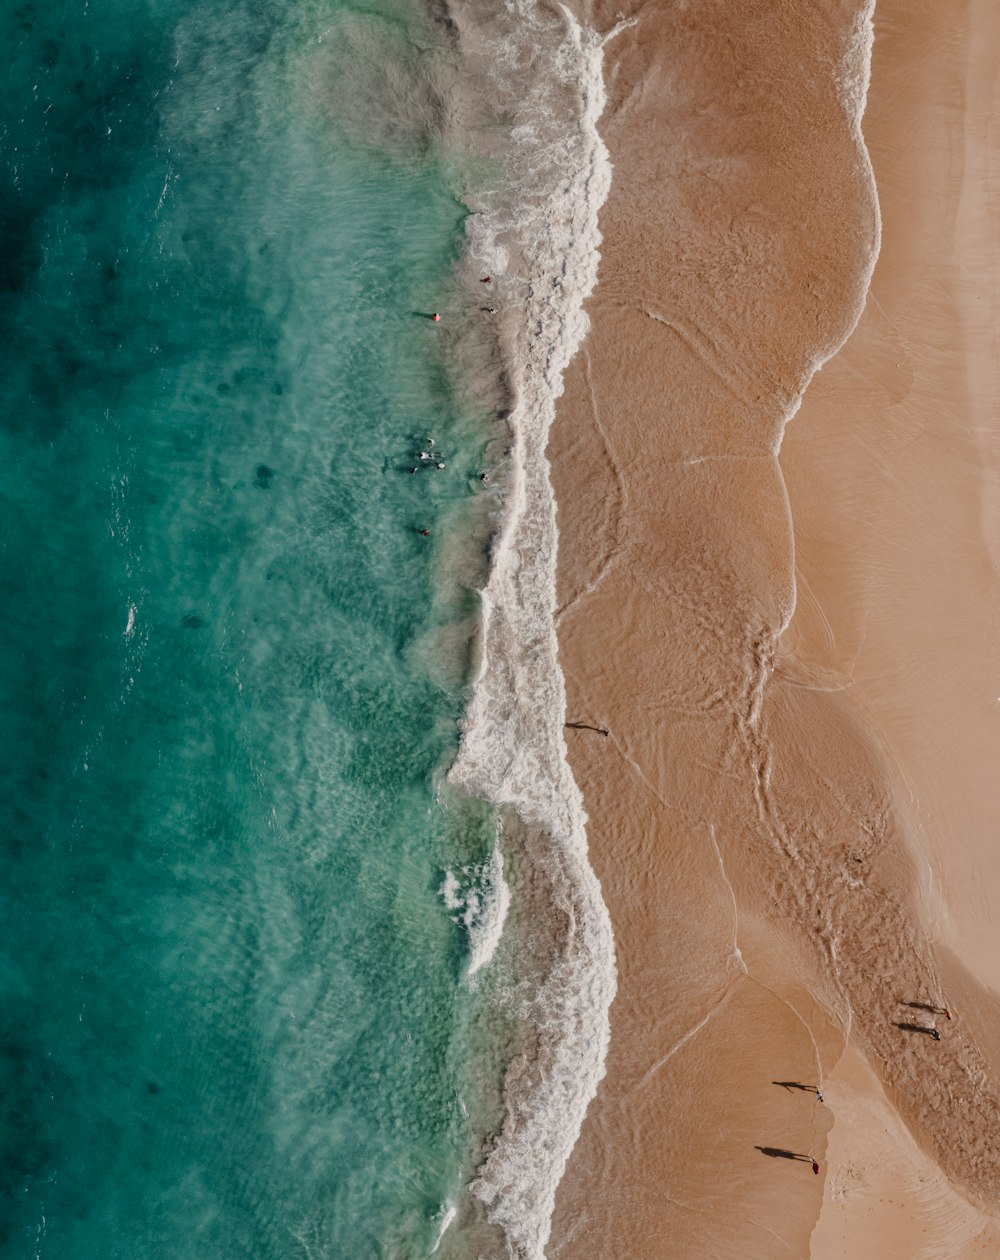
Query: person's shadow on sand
[[920, 1028], [929, 1007], [778, 1152]]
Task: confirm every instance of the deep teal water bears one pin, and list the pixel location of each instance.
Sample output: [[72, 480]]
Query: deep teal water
[[232, 1023]]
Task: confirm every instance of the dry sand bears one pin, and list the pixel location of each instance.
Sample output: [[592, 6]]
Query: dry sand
[[883, 1196], [793, 822]]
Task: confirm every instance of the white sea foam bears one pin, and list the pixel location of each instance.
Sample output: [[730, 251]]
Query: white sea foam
[[450, 1212], [451, 892], [479, 900], [486, 930], [537, 234]]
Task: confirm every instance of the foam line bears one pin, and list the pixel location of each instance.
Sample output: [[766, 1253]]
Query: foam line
[[540, 241]]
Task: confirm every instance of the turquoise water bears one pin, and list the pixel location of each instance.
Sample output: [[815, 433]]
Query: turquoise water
[[233, 1022]]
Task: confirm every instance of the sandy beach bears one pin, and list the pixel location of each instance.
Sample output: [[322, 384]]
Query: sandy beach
[[790, 635]]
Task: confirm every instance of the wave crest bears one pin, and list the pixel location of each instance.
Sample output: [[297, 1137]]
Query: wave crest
[[537, 236]]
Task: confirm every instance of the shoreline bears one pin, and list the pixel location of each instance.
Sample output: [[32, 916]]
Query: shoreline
[[751, 821], [536, 236]]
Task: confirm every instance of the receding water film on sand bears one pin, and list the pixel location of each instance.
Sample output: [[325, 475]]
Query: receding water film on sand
[[500, 673], [775, 466]]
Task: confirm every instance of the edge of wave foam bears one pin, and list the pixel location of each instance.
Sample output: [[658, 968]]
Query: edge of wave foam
[[852, 79], [538, 236]]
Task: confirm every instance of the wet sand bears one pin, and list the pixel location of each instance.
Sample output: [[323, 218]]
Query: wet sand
[[793, 817]]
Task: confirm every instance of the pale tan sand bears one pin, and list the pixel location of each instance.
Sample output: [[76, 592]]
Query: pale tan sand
[[894, 458], [786, 847], [893, 466], [884, 1197]]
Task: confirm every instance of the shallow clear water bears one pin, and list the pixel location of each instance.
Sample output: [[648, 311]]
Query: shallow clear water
[[233, 1022]]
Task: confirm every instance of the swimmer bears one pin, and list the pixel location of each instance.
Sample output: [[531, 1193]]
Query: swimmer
[[439, 465]]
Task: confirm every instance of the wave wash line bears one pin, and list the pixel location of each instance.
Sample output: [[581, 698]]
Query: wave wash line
[[513, 751]]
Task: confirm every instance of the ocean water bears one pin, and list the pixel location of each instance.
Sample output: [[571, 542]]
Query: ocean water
[[239, 897]]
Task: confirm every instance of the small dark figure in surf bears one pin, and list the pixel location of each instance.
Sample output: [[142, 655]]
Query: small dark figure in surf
[[424, 533], [487, 279]]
